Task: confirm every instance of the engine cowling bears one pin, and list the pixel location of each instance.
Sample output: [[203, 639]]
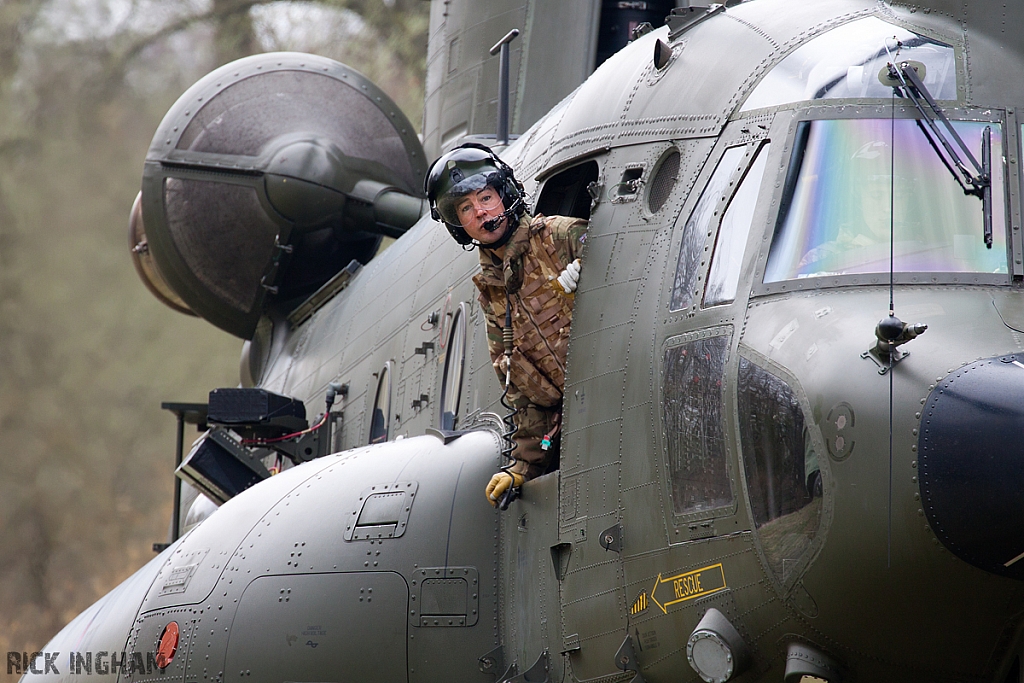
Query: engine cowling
[[375, 562], [267, 177]]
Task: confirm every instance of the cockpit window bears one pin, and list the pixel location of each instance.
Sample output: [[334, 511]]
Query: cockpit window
[[783, 473], [727, 259], [835, 211], [698, 228], [846, 61]]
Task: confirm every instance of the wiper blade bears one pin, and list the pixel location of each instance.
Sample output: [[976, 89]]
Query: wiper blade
[[986, 194], [978, 182]]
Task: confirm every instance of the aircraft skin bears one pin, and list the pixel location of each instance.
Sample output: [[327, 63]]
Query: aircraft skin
[[665, 503]]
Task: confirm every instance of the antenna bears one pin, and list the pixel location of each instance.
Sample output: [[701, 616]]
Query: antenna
[[890, 331], [503, 86], [892, 305]]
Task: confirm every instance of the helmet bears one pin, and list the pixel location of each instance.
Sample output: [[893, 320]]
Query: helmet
[[468, 168]]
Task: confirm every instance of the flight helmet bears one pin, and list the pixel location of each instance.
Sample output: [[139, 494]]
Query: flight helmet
[[468, 168]]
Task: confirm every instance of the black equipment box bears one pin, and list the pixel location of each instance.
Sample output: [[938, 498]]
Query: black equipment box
[[256, 408]]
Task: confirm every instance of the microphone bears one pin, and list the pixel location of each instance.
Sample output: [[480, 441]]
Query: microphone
[[492, 224]]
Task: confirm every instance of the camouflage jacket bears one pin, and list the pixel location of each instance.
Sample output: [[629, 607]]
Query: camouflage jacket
[[541, 311]]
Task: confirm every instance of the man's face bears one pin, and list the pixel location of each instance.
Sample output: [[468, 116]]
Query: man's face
[[478, 207]]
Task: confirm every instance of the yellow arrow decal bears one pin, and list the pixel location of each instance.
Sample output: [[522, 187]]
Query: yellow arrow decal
[[687, 586]]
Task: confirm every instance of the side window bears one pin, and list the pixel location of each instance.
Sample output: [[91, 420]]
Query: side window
[[567, 193], [727, 259], [694, 374], [781, 467], [698, 228], [454, 363], [380, 418]]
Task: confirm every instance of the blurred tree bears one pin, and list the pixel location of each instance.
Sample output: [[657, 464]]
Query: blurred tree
[[234, 36], [86, 354]]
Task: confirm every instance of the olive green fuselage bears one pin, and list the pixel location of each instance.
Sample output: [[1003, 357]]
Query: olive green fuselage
[[729, 440]]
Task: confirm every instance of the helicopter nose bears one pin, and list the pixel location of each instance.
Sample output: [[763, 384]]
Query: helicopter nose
[[971, 463]]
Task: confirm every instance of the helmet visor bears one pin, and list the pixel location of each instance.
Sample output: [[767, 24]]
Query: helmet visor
[[449, 203]]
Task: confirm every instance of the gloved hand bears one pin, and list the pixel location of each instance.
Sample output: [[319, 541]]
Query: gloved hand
[[501, 365], [500, 483], [570, 277]]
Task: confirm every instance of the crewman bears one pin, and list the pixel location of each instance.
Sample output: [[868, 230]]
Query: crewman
[[529, 270]]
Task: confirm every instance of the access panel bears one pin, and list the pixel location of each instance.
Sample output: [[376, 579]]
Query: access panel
[[320, 627]]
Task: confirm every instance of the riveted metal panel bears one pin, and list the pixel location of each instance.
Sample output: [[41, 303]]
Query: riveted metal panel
[[305, 623], [144, 642], [181, 572], [382, 511], [529, 530], [593, 605], [210, 547], [107, 628], [444, 596], [299, 533], [661, 620]]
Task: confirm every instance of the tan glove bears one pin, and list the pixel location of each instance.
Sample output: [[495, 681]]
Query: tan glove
[[501, 365], [500, 483]]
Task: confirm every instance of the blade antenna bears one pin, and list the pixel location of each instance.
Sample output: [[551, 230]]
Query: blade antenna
[[892, 314]]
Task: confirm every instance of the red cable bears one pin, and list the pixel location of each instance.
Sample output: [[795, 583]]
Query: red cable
[[261, 442]]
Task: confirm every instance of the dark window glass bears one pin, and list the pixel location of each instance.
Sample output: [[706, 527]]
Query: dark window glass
[[781, 467], [380, 418], [698, 229], [693, 425], [454, 361], [566, 194]]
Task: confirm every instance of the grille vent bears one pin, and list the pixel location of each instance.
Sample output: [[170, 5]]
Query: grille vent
[[664, 180]]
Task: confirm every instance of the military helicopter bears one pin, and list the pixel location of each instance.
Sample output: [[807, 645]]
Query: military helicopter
[[765, 473]]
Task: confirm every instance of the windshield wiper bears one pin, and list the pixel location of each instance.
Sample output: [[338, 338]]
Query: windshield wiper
[[978, 182]]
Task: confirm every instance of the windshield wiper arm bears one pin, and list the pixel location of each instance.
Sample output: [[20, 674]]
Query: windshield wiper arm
[[942, 157], [980, 180], [986, 192]]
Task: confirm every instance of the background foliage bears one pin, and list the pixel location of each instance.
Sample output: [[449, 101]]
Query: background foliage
[[86, 354]]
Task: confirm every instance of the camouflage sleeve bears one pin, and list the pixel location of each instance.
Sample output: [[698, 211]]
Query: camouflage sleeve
[[576, 237], [570, 234]]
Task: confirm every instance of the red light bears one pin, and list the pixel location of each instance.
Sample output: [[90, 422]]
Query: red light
[[168, 645]]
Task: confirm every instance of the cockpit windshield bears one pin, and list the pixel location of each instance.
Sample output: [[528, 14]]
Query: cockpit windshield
[[846, 61], [835, 212]]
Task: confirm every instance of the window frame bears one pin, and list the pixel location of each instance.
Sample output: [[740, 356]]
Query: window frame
[[792, 574], [749, 151], [951, 41], [457, 326], [383, 376], [756, 153], [680, 519]]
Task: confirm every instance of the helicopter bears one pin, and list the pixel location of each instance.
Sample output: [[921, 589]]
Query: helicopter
[[794, 392]]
